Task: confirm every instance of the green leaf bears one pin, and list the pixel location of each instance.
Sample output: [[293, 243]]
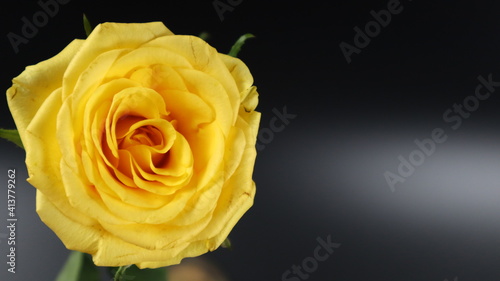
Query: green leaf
[[11, 135], [90, 271], [78, 267], [235, 49], [87, 26], [72, 267]]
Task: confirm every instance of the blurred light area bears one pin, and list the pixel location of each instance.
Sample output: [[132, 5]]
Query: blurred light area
[[195, 269], [341, 173]]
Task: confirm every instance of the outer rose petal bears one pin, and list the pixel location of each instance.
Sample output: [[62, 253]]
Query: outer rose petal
[[244, 80], [238, 192], [239, 71], [32, 87]]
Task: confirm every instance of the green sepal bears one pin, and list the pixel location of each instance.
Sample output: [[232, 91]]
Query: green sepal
[[204, 36], [134, 273], [227, 244], [11, 135], [86, 25], [236, 48], [78, 267], [120, 274]]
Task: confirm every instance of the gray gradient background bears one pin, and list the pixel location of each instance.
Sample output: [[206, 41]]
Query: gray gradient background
[[323, 174]]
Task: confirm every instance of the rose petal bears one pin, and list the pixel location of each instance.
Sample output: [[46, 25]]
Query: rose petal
[[106, 37], [202, 57], [240, 72], [32, 87]]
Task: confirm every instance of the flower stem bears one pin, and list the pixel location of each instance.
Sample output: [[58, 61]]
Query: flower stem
[[120, 272]]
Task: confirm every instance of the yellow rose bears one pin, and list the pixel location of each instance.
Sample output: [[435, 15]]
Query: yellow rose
[[141, 143]]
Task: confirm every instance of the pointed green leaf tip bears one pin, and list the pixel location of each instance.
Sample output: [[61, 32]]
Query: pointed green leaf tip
[[204, 35], [235, 49], [11, 135], [78, 267], [227, 244], [86, 25]]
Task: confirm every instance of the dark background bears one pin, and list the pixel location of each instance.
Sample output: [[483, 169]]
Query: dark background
[[323, 175]]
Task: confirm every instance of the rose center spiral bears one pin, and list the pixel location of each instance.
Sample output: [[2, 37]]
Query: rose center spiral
[[146, 135]]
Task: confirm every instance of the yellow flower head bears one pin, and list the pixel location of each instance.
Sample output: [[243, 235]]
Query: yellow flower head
[[141, 143]]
